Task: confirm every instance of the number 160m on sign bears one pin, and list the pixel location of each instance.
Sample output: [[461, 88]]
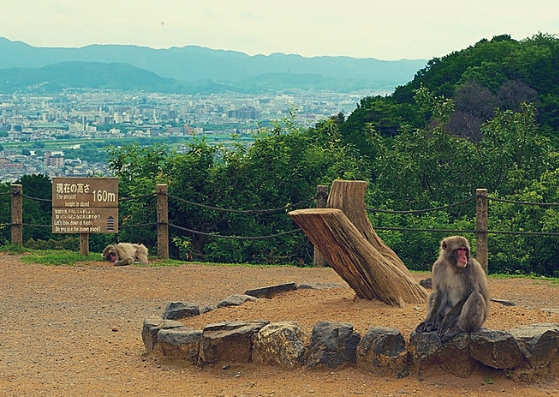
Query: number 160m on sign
[[103, 196]]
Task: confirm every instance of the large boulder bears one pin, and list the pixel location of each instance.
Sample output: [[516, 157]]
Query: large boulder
[[429, 355], [229, 341], [280, 343], [182, 343], [540, 345], [332, 344], [382, 351], [496, 349]]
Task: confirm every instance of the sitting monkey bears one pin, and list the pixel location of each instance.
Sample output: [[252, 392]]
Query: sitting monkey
[[460, 300], [123, 254]]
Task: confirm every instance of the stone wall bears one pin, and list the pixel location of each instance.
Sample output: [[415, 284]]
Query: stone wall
[[526, 353]]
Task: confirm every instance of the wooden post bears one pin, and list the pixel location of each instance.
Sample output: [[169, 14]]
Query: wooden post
[[84, 244], [321, 200], [481, 228], [162, 222], [17, 214]]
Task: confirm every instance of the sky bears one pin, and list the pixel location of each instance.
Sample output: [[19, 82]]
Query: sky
[[381, 29]]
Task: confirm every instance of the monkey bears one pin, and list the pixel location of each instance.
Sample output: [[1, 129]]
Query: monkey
[[123, 254], [460, 300]]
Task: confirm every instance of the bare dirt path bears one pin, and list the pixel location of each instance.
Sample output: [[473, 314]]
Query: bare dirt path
[[76, 331]]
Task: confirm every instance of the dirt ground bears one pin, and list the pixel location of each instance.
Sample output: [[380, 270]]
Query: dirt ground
[[76, 331]]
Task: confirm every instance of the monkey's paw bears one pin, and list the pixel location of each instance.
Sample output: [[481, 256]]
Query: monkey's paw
[[425, 327], [447, 333], [121, 263]]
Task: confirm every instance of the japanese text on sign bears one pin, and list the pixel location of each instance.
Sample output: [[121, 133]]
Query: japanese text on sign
[[85, 205]]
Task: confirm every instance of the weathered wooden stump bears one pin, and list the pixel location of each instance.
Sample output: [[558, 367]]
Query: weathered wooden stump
[[349, 196], [356, 253]]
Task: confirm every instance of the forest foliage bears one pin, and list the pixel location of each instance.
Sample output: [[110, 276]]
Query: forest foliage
[[484, 117]]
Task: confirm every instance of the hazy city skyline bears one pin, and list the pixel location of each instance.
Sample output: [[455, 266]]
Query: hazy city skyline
[[385, 30]]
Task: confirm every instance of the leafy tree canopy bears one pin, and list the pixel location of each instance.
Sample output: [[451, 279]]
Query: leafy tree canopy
[[500, 73]]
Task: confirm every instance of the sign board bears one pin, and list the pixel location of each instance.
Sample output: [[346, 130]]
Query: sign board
[[85, 205]]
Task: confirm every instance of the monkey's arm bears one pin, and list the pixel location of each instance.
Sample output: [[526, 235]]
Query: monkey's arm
[[434, 316], [124, 262], [449, 326]]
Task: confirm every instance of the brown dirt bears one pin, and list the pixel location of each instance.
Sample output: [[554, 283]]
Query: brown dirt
[[76, 331]]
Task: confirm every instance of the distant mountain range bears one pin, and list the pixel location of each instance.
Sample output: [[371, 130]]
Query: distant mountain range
[[190, 69]]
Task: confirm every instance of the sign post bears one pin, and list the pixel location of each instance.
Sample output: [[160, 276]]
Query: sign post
[[84, 206]]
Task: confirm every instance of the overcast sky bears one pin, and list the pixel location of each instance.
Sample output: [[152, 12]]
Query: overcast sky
[[382, 29]]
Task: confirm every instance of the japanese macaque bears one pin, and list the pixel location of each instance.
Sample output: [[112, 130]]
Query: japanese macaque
[[123, 254], [460, 300]]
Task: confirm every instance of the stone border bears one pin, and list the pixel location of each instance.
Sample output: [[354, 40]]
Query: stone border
[[525, 353]]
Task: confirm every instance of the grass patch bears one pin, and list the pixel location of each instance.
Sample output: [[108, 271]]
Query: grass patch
[[536, 278], [58, 257], [50, 256], [13, 249]]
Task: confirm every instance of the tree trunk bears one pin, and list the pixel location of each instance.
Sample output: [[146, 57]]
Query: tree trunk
[[353, 257], [349, 196]]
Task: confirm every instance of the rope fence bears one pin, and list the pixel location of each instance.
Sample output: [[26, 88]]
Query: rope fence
[[481, 231]]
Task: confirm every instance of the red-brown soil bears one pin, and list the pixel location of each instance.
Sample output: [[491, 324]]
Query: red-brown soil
[[76, 331]]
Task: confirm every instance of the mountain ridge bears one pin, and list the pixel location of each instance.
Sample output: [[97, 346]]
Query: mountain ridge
[[190, 65]]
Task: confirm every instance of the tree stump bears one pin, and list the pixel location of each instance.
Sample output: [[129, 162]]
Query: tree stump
[[349, 196], [344, 236]]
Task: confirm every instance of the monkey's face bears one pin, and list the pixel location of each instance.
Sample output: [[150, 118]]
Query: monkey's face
[[111, 256], [457, 250], [461, 256]]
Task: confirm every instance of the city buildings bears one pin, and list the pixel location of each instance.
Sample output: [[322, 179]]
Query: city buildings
[[99, 115]]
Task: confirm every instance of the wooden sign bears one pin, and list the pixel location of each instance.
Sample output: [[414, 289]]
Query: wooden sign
[[85, 205]]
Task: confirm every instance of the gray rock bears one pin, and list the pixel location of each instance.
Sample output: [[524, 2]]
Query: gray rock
[[428, 355], [496, 349], [383, 352], [235, 300], [229, 341], [426, 283], [332, 344], [205, 309], [540, 343], [503, 302], [178, 310], [182, 343], [454, 356], [269, 292], [319, 285], [280, 344], [151, 328]]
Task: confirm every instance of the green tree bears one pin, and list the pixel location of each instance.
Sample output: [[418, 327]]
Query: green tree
[[5, 213], [283, 166], [37, 207], [512, 152], [139, 170], [425, 168], [525, 253]]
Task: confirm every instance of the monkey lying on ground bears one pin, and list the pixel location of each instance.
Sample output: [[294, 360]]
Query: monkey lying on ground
[[123, 254], [460, 300]]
